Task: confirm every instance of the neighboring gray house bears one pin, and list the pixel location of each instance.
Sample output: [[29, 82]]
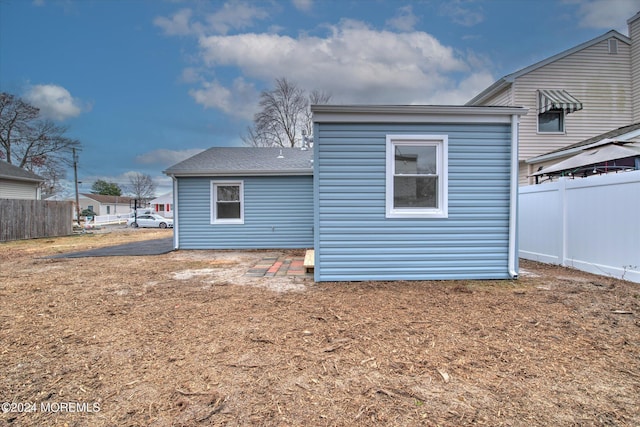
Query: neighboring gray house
[[18, 183], [390, 193], [584, 91], [243, 198]]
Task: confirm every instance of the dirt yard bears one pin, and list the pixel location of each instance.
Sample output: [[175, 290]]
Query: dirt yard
[[187, 339]]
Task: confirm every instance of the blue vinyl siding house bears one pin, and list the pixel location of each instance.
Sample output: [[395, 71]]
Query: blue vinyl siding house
[[415, 192], [244, 198], [386, 193]]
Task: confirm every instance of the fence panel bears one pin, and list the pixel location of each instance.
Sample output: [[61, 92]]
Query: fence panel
[[30, 219], [592, 224], [110, 219]]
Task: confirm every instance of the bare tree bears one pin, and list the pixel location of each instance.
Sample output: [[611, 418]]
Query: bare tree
[[142, 186], [284, 115], [31, 143]]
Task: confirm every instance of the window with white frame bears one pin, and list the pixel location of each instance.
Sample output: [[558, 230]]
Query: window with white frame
[[227, 202], [416, 177]]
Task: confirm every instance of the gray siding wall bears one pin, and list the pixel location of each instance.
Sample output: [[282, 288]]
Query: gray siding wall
[[278, 213], [634, 33], [354, 240], [10, 189]]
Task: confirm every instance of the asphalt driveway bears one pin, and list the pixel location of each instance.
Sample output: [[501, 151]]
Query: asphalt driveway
[[147, 247]]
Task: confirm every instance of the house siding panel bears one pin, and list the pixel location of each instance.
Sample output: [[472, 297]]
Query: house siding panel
[[278, 213], [18, 190], [502, 98], [601, 81], [354, 239], [634, 33]]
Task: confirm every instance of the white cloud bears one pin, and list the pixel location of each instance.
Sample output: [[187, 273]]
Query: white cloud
[[54, 102], [405, 20], [303, 5], [191, 75], [462, 13], [354, 62], [240, 100], [178, 25], [166, 157], [233, 15], [606, 14], [463, 91]]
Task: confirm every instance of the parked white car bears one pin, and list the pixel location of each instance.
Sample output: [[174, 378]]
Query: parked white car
[[152, 220]]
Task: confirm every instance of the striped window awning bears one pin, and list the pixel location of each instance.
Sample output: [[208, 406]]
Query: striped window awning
[[557, 99]]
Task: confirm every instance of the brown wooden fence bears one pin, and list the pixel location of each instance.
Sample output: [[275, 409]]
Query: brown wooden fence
[[30, 219]]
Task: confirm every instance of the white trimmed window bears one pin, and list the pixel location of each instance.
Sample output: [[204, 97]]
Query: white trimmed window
[[416, 181], [227, 202]]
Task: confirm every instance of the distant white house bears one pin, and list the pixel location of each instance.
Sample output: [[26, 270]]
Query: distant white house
[[163, 205], [105, 205], [18, 183]]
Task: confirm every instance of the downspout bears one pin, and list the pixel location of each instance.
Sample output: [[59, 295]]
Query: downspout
[[176, 227], [513, 206]]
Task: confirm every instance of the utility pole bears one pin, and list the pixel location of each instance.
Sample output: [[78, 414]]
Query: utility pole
[[75, 178]]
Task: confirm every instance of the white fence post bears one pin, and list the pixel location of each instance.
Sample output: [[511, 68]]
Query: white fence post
[[564, 218]]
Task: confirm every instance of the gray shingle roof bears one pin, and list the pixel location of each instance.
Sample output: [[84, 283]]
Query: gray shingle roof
[[10, 171], [610, 134], [105, 199], [246, 161]]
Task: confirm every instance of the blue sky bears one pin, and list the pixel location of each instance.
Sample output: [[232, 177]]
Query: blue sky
[[144, 84]]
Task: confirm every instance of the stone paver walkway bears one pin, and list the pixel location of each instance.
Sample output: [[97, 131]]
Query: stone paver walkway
[[279, 266]]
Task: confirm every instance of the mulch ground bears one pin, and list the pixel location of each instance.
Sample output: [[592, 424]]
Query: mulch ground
[[189, 339], [283, 265]]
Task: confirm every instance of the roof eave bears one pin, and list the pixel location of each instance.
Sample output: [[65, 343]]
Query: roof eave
[[558, 154], [510, 78], [491, 91], [196, 173], [21, 178], [413, 113]]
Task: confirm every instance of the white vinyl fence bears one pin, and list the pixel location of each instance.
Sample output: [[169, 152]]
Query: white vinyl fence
[[109, 219], [592, 224]]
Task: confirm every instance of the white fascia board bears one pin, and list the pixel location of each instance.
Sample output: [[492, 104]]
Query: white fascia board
[[413, 114]]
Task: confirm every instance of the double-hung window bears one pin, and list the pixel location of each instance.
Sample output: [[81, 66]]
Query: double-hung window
[[227, 200], [416, 177]]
